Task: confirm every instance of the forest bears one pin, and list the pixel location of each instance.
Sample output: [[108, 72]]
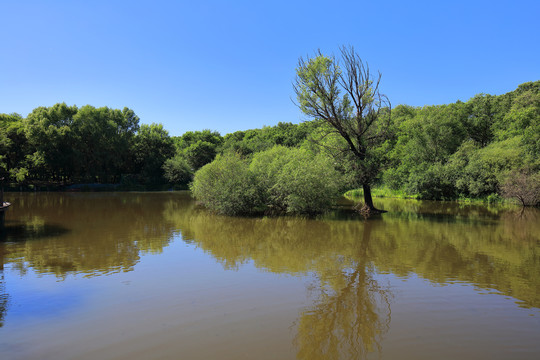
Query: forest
[[485, 148]]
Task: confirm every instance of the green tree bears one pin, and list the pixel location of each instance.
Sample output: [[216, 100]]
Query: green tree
[[49, 132], [91, 144], [200, 153], [278, 180], [104, 138], [192, 137], [152, 147], [348, 99], [177, 171], [296, 181], [480, 119], [13, 147]]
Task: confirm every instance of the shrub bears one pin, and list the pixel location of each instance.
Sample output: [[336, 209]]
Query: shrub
[[227, 186], [524, 186], [431, 182], [307, 184], [267, 165], [280, 179], [177, 170]]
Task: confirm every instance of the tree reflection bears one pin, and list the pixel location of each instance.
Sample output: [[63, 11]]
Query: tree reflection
[[351, 312], [100, 233], [489, 247], [104, 233], [88, 234], [347, 322]]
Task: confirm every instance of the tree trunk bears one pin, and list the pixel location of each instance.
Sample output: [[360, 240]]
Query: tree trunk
[[369, 209], [368, 200]]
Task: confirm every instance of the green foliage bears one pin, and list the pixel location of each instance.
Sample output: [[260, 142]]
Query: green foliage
[[192, 137], [177, 171], [256, 140], [380, 192], [465, 149], [296, 180], [199, 154], [280, 179], [67, 143], [480, 118], [13, 146], [460, 150], [152, 147], [198, 147], [345, 96], [50, 136], [227, 186], [102, 140], [431, 182]]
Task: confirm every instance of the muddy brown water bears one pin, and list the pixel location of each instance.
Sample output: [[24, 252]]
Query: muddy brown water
[[154, 276]]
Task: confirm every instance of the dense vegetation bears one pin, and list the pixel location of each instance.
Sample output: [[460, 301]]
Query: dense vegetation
[[466, 149], [486, 147], [345, 96], [282, 180]]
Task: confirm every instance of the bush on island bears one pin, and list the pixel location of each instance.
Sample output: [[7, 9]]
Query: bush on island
[[281, 179]]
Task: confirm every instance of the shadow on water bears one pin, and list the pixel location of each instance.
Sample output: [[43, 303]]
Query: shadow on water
[[19, 232]]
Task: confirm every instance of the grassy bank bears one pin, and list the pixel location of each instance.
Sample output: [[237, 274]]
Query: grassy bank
[[384, 192]]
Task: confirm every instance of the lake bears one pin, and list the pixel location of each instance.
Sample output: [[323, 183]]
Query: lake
[[154, 276]]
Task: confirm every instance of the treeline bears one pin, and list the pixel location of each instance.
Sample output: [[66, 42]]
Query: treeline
[[485, 147], [467, 149], [65, 144], [62, 145]]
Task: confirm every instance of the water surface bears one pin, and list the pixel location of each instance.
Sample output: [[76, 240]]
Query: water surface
[[153, 276]]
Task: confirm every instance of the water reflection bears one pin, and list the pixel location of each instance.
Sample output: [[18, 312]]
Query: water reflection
[[500, 252], [83, 233], [97, 234], [3, 294], [347, 322], [493, 249]]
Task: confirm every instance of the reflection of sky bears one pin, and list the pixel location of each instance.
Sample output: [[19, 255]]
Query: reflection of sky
[[40, 298], [183, 299], [183, 289]]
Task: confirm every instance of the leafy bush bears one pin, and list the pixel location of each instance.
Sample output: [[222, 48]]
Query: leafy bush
[[177, 170], [280, 179], [308, 184], [227, 186], [267, 165], [431, 182]]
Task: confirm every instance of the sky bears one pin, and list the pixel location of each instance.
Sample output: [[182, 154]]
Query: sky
[[230, 65]]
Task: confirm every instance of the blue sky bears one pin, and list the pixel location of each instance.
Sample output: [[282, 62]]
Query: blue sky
[[229, 65]]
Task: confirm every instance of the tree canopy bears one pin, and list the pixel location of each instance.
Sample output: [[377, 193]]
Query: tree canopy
[[482, 148], [345, 95]]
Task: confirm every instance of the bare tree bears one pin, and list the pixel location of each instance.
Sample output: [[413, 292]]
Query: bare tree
[[347, 98], [523, 186]]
